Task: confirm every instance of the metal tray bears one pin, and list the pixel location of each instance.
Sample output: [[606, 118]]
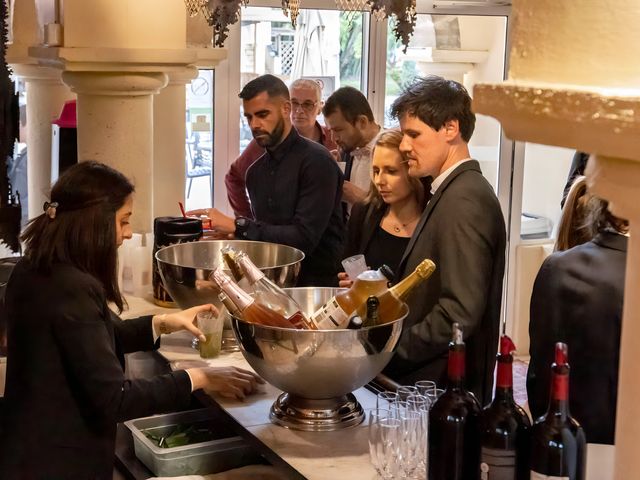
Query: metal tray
[[223, 453]]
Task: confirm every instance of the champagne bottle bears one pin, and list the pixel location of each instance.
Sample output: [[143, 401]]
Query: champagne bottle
[[228, 304], [391, 300], [355, 322], [454, 443], [229, 255], [337, 311], [558, 447], [250, 310], [372, 317], [505, 429], [268, 293]]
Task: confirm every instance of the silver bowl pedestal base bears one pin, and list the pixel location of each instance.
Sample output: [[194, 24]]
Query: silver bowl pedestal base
[[311, 415]]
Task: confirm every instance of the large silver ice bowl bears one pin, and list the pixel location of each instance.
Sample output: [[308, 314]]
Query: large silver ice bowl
[[317, 369], [185, 270]]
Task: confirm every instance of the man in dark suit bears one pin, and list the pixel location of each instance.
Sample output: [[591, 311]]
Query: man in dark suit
[[462, 230]]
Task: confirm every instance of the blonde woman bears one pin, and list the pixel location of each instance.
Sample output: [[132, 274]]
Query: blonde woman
[[381, 226]]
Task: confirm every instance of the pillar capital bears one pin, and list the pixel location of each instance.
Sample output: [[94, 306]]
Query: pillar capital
[[32, 72], [128, 84], [182, 77]]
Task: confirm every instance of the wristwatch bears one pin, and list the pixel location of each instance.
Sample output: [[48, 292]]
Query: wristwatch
[[242, 225]]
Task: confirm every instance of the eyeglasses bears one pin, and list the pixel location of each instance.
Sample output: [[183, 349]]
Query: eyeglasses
[[307, 105]]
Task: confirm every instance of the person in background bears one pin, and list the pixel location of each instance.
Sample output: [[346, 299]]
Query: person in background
[[461, 229], [381, 226], [295, 187], [578, 165], [577, 299], [350, 119], [306, 104], [573, 228], [65, 387]]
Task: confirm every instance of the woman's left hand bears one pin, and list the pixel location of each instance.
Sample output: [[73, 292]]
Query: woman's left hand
[[184, 320]]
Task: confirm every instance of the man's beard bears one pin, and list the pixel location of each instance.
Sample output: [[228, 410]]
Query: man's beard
[[270, 139]]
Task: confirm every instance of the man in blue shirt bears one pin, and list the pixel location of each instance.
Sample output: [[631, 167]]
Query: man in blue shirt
[[295, 188]]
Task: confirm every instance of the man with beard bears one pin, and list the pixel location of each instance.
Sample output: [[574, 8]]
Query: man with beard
[[294, 187], [350, 118], [306, 104]]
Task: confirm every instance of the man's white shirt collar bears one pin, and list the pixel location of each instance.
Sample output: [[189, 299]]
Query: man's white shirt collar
[[439, 180]]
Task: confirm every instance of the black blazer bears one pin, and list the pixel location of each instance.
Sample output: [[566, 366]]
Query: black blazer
[[363, 221], [65, 389], [577, 298], [462, 230]]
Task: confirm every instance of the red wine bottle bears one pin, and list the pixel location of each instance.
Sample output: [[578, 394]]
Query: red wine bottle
[[558, 448], [454, 443], [505, 429]]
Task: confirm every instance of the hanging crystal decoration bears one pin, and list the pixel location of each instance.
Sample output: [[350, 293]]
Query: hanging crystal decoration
[[193, 7], [405, 16], [291, 8], [219, 15]]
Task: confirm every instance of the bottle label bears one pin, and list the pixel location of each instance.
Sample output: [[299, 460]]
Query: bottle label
[[539, 476], [496, 464], [330, 316]]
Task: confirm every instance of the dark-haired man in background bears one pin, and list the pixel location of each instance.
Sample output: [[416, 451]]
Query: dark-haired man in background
[[462, 230], [350, 119], [294, 188]]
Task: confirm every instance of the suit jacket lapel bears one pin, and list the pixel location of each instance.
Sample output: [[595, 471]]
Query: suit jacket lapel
[[470, 165]]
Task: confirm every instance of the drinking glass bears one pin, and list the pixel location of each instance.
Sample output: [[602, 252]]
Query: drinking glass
[[354, 265], [405, 390], [384, 399], [374, 416], [410, 441], [210, 325], [426, 387], [416, 402], [397, 408], [387, 442]]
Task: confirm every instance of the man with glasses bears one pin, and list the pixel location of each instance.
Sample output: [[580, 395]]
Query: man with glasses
[[295, 187], [306, 104]]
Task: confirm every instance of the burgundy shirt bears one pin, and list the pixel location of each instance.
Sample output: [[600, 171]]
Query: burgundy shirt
[[234, 180]]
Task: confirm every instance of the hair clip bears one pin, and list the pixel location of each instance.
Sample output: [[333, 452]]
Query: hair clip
[[50, 209]]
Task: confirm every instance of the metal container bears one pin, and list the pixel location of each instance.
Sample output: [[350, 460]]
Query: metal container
[[317, 369], [185, 270], [223, 453]]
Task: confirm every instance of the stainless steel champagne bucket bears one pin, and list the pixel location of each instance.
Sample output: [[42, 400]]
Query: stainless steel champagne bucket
[[317, 369], [185, 270], [185, 267]]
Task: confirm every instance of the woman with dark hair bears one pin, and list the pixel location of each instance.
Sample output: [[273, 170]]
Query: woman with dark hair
[[381, 226], [65, 389], [577, 299]]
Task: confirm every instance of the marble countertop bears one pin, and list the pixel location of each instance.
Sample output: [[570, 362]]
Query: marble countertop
[[315, 455]]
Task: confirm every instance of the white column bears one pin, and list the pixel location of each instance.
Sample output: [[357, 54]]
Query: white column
[[115, 126], [169, 108], [46, 95], [617, 180]]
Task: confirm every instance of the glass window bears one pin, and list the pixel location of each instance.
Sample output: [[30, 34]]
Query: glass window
[[199, 141], [469, 49], [326, 45], [546, 169]]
